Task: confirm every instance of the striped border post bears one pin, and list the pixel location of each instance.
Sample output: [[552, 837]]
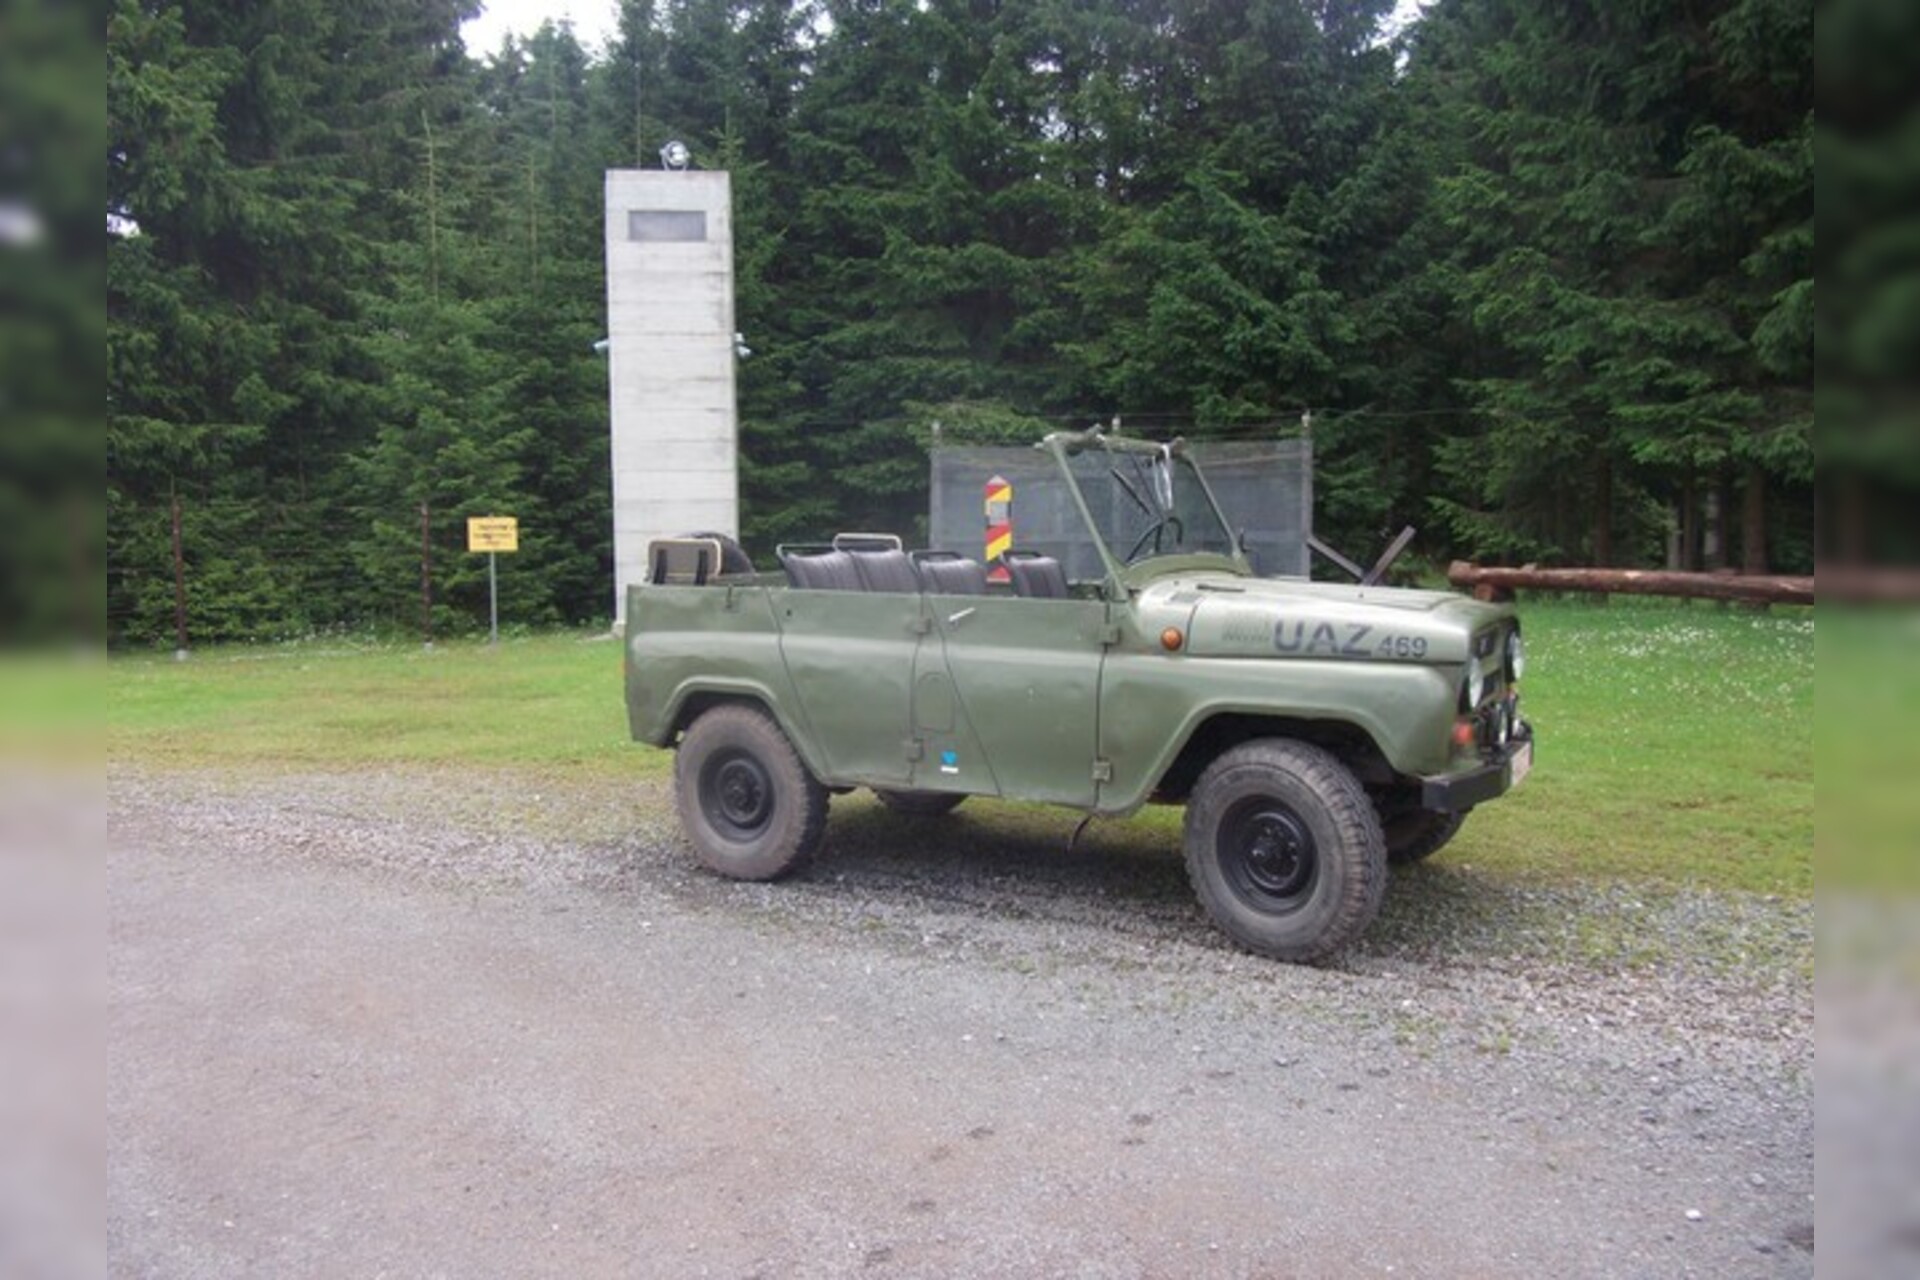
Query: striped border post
[[998, 503]]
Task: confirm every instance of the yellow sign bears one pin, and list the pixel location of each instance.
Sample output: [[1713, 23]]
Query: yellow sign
[[493, 533]]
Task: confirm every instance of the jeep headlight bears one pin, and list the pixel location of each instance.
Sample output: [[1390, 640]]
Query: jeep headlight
[[1476, 683], [1516, 656]]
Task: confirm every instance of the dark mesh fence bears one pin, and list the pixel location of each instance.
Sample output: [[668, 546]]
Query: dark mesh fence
[[1265, 487], [1044, 517]]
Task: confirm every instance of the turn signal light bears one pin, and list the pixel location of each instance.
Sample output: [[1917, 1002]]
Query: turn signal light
[[1463, 733], [1171, 639]]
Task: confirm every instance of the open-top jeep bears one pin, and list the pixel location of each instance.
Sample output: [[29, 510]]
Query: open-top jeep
[[1314, 731]]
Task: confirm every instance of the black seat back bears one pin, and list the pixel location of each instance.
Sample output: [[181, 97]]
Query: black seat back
[[947, 573], [821, 570], [733, 557], [1036, 576], [883, 569]]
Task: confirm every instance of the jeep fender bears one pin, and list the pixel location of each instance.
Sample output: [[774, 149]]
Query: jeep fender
[[691, 698], [1402, 712]]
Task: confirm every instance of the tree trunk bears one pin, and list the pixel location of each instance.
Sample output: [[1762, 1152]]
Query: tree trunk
[[1722, 520], [433, 212], [1689, 524], [179, 581], [1710, 557], [1753, 521], [1850, 533], [1495, 583], [1603, 510]]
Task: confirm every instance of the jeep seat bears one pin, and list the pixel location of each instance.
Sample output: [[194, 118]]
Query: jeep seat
[[883, 569], [821, 570], [947, 573], [688, 561], [1036, 576]]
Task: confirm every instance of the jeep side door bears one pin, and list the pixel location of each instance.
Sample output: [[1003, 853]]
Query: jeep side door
[[1026, 680], [850, 655]]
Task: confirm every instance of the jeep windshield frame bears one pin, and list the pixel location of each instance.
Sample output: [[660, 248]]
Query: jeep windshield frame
[[1148, 506]]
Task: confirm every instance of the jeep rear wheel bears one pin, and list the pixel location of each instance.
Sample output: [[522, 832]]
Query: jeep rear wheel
[[1413, 835], [1284, 849], [745, 799], [919, 804]]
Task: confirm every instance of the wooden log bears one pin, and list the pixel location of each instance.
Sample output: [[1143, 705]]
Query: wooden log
[[1500, 583], [1865, 584]]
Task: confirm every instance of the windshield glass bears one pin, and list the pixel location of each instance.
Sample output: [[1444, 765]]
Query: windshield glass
[[1146, 505]]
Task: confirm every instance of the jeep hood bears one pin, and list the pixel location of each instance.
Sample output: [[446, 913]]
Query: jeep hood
[[1226, 616]]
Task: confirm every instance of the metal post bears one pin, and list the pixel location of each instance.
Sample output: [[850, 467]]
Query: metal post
[[493, 599], [426, 576], [997, 507], [179, 586]]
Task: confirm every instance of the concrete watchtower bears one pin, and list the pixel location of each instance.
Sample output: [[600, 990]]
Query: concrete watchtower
[[671, 357]]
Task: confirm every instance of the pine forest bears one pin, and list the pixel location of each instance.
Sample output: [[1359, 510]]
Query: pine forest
[[1536, 274]]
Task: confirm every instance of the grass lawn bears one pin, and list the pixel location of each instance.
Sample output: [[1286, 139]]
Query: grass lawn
[[1675, 740], [549, 701], [1676, 745]]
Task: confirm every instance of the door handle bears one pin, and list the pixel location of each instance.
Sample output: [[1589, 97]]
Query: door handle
[[955, 619]]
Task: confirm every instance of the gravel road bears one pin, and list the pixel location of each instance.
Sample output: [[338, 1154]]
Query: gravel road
[[407, 1024]]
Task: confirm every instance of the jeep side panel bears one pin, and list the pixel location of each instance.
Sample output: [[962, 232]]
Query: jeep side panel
[[686, 642], [849, 655], [1151, 704], [1385, 662], [946, 753], [1026, 676], [997, 695]]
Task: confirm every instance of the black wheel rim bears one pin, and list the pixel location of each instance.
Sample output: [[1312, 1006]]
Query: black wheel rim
[[736, 793], [1268, 855]]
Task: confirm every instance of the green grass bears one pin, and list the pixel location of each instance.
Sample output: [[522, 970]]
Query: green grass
[[545, 702], [1675, 745], [1675, 741], [1869, 751], [52, 708]]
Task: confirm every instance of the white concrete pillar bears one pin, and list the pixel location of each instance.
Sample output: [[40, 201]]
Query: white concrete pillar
[[671, 355]]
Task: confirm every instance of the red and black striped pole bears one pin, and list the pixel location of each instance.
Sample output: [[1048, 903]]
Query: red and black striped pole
[[999, 518]]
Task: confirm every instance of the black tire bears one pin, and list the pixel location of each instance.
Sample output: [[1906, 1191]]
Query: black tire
[[1414, 835], [919, 804], [745, 799], [1284, 849]]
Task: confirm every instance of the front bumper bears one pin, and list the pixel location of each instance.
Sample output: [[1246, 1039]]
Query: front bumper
[[1459, 792]]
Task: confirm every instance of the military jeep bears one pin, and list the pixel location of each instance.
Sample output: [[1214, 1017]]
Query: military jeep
[[1314, 731]]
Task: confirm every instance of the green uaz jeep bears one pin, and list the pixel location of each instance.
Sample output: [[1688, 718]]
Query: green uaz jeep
[[1315, 732]]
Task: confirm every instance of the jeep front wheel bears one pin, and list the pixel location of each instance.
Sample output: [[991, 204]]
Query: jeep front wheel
[[745, 799], [1284, 849]]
